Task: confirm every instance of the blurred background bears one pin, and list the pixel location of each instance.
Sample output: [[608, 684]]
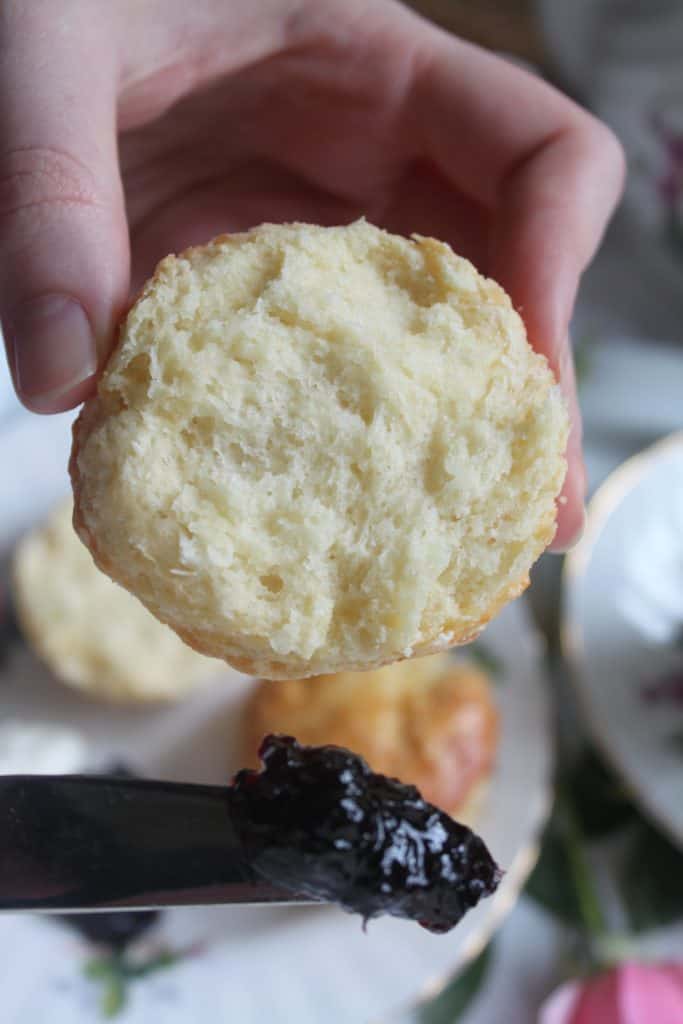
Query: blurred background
[[574, 720], [613, 848]]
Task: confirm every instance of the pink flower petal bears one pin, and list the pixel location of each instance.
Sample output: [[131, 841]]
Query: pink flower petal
[[598, 1002], [651, 993], [630, 994], [675, 972], [559, 1007]]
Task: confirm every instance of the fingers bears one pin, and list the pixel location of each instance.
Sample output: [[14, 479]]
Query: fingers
[[550, 175], [63, 235], [552, 210], [482, 118]]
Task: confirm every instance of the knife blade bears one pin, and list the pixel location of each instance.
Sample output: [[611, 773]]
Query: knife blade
[[80, 842]]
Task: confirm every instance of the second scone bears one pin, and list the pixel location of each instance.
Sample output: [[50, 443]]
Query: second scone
[[317, 449], [91, 633], [431, 722]]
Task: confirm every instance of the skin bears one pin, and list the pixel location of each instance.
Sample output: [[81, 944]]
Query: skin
[[133, 129]]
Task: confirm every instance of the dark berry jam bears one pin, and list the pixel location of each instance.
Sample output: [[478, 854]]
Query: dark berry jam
[[317, 821]]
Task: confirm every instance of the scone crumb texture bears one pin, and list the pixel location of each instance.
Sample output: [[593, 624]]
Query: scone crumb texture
[[320, 449]]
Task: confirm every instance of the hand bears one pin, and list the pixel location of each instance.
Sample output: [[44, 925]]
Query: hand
[[132, 129]]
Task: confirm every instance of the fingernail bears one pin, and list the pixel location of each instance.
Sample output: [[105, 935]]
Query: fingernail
[[573, 539], [51, 348]]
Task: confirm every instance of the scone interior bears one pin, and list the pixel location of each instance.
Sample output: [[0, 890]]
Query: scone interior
[[318, 449], [93, 634], [428, 721]]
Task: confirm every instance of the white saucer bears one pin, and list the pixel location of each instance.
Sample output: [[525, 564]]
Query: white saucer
[[623, 627]]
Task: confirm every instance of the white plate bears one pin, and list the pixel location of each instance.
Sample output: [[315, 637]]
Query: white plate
[[623, 626], [255, 964]]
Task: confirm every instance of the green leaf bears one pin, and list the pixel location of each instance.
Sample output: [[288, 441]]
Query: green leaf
[[156, 963], [450, 1004], [600, 800], [114, 996], [109, 971], [115, 972], [651, 880], [551, 882], [101, 967]]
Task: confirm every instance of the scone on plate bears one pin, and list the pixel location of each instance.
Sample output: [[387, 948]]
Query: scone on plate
[[320, 449], [91, 633], [431, 721]]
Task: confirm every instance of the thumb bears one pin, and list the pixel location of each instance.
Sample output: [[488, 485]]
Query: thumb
[[64, 252]]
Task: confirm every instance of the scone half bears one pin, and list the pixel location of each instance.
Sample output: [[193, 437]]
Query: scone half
[[320, 449]]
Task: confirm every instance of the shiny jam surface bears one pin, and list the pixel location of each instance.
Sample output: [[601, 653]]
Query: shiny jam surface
[[319, 822]]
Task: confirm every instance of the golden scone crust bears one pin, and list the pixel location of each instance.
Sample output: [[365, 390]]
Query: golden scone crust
[[320, 449], [431, 721], [93, 634]]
